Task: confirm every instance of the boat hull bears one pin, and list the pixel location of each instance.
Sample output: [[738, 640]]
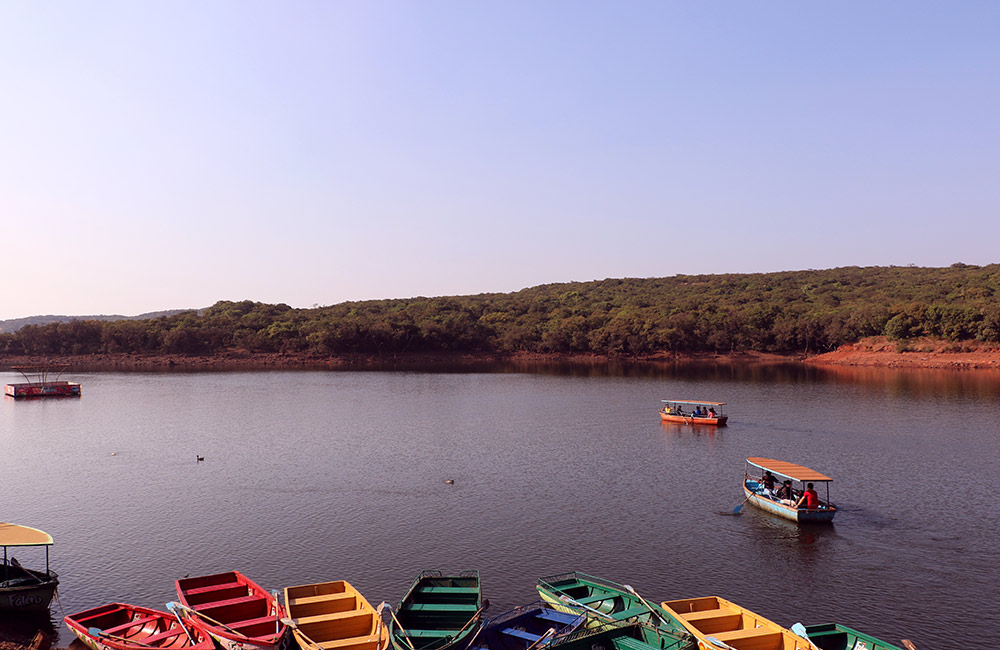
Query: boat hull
[[831, 636], [438, 612], [710, 619], [800, 515], [128, 627], [690, 419], [334, 613], [26, 590], [530, 626], [605, 602], [249, 614]]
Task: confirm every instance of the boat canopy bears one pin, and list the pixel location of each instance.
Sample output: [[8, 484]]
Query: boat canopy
[[689, 401], [14, 535], [788, 470]]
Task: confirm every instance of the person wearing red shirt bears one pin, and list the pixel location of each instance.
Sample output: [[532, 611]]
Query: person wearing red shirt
[[809, 496]]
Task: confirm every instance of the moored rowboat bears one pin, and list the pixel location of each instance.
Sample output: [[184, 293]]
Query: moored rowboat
[[438, 612], [328, 615], [718, 623], [235, 611], [604, 601], [536, 625], [831, 636], [23, 589], [118, 626]]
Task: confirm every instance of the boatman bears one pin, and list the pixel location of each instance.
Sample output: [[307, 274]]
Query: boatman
[[810, 497]]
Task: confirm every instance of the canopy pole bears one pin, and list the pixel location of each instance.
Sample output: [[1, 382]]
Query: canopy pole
[[47, 552]]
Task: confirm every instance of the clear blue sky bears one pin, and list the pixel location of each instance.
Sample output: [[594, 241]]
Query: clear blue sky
[[158, 155]]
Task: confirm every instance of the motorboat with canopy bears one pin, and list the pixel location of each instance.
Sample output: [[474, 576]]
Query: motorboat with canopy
[[758, 493], [23, 589]]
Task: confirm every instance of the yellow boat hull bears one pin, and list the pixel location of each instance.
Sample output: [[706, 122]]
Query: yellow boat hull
[[714, 621], [334, 616]]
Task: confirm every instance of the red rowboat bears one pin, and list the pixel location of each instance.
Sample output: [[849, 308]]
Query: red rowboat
[[128, 627], [237, 612]]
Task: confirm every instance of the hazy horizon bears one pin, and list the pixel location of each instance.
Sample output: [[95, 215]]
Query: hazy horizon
[[162, 154]]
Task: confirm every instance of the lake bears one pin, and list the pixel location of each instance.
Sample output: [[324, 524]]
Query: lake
[[323, 475]]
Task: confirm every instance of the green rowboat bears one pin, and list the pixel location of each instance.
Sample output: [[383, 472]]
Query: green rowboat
[[438, 612], [831, 636], [627, 635], [605, 601]]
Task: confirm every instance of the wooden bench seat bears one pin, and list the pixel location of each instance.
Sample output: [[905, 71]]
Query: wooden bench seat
[[172, 632], [638, 610], [139, 622], [760, 637], [429, 589], [239, 626], [351, 641], [321, 598], [594, 599], [521, 634], [333, 616], [708, 613], [218, 604], [430, 634], [556, 616], [628, 643], [442, 607]]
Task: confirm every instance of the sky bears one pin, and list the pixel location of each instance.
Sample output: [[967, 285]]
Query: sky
[[170, 154]]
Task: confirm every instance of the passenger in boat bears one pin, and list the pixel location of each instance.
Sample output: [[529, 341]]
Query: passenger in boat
[[697, 411], [711, 412], [809, 496], [768, 481], [785, 494]]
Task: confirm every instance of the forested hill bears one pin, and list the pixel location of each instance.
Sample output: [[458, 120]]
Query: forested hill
[[788, 312]]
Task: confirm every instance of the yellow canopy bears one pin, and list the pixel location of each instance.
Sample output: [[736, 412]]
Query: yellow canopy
[[788, 470], [14, 535]]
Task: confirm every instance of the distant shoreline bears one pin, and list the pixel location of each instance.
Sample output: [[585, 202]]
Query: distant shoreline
[[875, 352]]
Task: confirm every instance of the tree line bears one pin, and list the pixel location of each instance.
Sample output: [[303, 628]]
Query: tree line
[[787, 312]]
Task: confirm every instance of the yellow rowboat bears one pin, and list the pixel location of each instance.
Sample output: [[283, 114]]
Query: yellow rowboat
[[329, 615], [719, 625]]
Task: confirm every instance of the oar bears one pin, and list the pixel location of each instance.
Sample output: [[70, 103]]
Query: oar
[[549, 632], [406, 637], [738, 509], [800, 630], [648, 606], [569, 601], [171, 606], [295, 626], [184, 627], [908, 644], [719, 642], [96, 631], [486, 605]]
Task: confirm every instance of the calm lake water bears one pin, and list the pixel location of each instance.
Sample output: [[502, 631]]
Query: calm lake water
[[320, 475]]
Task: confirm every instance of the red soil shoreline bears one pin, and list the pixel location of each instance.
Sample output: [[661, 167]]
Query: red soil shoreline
[[873, 352]]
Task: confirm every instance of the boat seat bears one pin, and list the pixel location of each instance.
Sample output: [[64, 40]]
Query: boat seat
[[352, 641], [441, 607], [239, 626], [556, 616], [521, 634], [216, 587], [320, 598], [172, 632], [708, 613], [594, 599], [628, 643], [758, 637], [215, 604], [430, 634], [334, 616], [139, 622], [427, 589], [638, 610]]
